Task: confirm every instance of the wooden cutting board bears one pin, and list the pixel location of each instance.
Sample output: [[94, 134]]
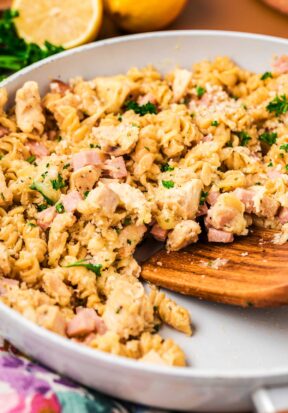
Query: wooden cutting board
[[255, 273]]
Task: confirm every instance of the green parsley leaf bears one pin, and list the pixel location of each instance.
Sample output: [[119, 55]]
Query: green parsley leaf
[[166, 167], [286, 167], [127, 221], [31, 224], [86, 193], [66, 166], [268, 137], [266, 75], [59, 138], [270, 164], [200, 91], [244, 137], [96, 268], [203, 197], [284, 147], [41, 207], [168, 184], [60, 208], [120, 118], [31, 159], [279, 105], [141, 109], [215, 123], [36, 186], [58, 183]]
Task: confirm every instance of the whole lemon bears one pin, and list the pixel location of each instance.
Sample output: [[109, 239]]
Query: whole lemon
[[143, 15]]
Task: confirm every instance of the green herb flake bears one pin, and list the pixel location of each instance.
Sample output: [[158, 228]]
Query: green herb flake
[[129, 241], [86, 193], [127, 221], [94, 145], [118, 309], [286, 167], [215, 123], [60, 208], [266, 75], [66, 166], [31, 224], [200, 91], [31, 159], [36, 186], [2, 196], [168, 184], [268, 137], [59, 138], [41, 207], [284, 147], [166, 167], [141, 110], [279, 105], [58, 183], [270, 164], [203, 197], [96, 268], [243, 137], [120, 118]]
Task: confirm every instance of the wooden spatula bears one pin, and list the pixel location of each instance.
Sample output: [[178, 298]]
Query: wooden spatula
[[256, 273]]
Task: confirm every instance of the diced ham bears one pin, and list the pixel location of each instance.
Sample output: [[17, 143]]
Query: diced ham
[[246, 196], [202, 210], [37, 149], [280, 64], [71, 201], [273, 174], [46, 217], [84, 158], [212, 197], [86, 321], [216, 235], [283, 215], [159, 233], [57, 86], [3, 131], [116, 167], [143, 100]]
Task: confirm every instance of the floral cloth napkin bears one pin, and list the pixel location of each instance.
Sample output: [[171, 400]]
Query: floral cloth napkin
[[28, 387]]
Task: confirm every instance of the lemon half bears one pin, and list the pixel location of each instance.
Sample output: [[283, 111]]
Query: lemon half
[[68, 23]]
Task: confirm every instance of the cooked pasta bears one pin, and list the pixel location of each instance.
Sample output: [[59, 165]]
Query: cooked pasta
[[91, 167]]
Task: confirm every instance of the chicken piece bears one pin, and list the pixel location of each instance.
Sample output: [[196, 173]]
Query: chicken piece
[[6, 195], [101, 200], [184, 233], [133, 201], [128, 311], [159, 233], [57, 86], [84, 158], [37, 149], [46, 217], [116, 167], [84, 179], [212, 197], [216, 235], [283, 215], [71, 200], [228, 214], [50, 317], [280, 64], [53, 285], [116, 140], [5, 266], [3, 131], [29, 114], [129, 237], [86, 321], [181, 82]]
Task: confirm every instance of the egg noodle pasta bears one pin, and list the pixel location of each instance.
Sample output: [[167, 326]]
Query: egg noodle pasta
[[92, 167]]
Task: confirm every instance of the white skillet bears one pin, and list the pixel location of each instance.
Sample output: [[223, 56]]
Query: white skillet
[[235, 354]]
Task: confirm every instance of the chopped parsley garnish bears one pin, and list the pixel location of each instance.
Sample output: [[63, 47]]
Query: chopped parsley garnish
[[36, 186], [59, 138], [147, 149], [129, 241], [284, 147], [244, 137], [286, 167], [141, 109], [168, 184], [229, 144], [94, 145], [127, 221], [86, 193], [60, 208], [270, 164], [31, 224], [279, 105], [200, 91], [215, 123], [120, 118], [268, 137], [41, 207], [266, 75], [58, 183], [66, 166], [166, 167], [96, 268], [31, 159], [2, 196], [203, 197]]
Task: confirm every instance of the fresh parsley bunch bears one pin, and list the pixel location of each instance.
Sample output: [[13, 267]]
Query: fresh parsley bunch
[[15, 53]]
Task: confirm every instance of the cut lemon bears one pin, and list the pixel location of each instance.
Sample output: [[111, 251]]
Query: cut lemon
[[68, 23]]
